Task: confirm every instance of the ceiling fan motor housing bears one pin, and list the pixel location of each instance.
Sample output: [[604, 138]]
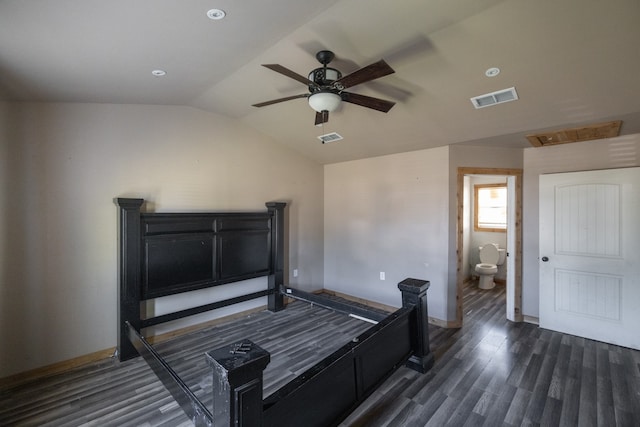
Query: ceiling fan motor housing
[[323, 76]]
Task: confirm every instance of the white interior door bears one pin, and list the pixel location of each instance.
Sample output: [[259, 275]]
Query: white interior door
[[590, 254]]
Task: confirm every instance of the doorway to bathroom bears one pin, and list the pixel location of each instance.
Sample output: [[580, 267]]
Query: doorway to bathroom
[[512, 239]]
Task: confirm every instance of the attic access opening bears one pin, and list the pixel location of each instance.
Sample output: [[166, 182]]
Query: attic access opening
[[577, 134]]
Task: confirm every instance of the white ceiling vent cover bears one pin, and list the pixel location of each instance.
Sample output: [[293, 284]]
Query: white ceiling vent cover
[[330, 137], [495, 98]]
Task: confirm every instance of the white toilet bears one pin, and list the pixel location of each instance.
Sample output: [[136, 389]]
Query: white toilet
[[490, 258]]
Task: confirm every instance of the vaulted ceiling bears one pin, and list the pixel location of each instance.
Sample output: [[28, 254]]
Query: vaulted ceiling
[[571, 62]]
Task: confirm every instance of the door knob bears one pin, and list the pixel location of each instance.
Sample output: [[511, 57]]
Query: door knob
[[545, 259]]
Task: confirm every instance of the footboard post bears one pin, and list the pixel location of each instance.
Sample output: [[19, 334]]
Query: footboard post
[[237, 384], [276, 278], [414, 293]]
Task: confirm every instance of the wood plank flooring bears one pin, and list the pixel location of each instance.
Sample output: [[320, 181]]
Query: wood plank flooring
[[490, 372], [493, 372], [110, 393]]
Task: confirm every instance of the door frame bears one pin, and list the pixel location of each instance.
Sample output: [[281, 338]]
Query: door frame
[[517, 286]]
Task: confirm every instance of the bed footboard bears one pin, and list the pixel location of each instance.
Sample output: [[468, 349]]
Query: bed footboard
[[329, 391]]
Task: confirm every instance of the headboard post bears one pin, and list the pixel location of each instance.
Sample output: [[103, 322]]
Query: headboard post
[[129, 273], [276, 278]]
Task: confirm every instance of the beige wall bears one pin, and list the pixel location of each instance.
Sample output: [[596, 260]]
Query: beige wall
[[62, 165], [612, 153], [388, 214]]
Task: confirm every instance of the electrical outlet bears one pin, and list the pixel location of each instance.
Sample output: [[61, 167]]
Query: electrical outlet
[[295, 272], [382, 275]]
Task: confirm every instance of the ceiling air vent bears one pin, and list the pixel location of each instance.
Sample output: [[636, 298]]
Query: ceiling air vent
[[495, 98], [330, 137]]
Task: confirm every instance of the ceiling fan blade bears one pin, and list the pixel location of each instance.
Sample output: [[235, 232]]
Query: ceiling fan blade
[[367, 101], [322, 117], [287, 72], [275, 101], [365, 74]]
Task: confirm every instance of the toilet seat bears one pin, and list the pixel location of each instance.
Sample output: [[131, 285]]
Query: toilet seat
[[489, 254]]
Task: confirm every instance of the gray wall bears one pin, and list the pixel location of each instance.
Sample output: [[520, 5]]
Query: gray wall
[[5, 184], [397, 214], [62, 165]]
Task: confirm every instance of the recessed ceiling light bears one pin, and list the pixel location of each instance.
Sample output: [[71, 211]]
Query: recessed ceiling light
[[159, 73], [492, 72], [216, 14]]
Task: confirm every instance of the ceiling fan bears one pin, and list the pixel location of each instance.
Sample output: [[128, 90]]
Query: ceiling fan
[[327, 86]]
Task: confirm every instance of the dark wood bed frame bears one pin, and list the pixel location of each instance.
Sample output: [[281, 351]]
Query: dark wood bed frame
[[162, 254]]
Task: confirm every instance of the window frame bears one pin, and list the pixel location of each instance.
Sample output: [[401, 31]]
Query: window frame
[[476, 190]]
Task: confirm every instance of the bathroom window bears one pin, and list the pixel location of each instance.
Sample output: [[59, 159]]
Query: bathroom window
[[490, 213]]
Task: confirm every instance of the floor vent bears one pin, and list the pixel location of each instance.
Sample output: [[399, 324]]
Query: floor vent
[[330, 137], [495, 98]]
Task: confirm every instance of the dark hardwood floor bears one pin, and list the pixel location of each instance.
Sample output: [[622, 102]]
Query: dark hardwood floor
[[493, 372], [490, 372]]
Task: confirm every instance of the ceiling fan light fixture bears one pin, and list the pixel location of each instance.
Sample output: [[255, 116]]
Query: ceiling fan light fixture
[[324, 101], [326, 87]]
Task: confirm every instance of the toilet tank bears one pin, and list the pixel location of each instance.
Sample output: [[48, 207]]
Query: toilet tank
[[502, 256]]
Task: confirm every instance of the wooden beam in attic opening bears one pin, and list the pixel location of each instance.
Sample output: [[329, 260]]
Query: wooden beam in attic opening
[[578, 134]]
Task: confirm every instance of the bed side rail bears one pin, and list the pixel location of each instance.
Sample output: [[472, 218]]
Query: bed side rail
[[362, 312], [190, 404]]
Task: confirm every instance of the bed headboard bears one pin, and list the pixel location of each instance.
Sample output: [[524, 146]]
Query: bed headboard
[[162, 254]]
